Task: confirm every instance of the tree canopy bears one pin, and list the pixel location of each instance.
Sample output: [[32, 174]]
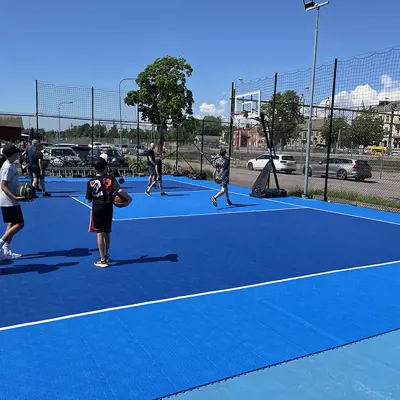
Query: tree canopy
[[288, 115], [366, 129], [339, 125], [163, 95]]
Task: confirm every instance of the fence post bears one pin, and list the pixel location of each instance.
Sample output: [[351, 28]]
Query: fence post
[[274, 108], [37, 109], [92, 126], [137, 136], [330, 131], [177, 148], [202, 147], [231, 124]]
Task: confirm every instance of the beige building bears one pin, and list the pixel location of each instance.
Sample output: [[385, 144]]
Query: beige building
[[389, 112], [316, 136]]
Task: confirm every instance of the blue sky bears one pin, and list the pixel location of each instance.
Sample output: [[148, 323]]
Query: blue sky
[[97, 43]]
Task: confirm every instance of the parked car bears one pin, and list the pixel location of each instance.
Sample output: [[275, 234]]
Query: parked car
[[283, 163], [342, 168], [113, 155], [61, 156], [82, 151]]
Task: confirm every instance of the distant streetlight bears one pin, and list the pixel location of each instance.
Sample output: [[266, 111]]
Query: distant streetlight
[[59, 117], [120, 109], [311, 5]]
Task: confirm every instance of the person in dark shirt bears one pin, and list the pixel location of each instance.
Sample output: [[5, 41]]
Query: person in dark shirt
[[151, 165], [37, 168], [100, 191], [221, 165], [158, 179]]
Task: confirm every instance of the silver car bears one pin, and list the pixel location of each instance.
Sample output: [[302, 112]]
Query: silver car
[[342, 168]]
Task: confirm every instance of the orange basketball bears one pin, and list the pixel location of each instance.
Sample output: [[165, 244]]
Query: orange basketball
[[121, 199]]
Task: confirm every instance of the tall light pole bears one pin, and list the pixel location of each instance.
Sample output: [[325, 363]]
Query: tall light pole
[[311, 5], [59, 117], [120, 109]]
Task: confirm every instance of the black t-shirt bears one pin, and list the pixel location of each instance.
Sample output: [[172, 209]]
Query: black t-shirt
[[101, 189], [36, 156], [151, 156]]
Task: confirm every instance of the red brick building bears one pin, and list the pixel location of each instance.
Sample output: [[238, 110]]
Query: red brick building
[[248, 138]]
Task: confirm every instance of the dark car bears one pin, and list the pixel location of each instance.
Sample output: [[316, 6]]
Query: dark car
[[82, 151], [114, 156]]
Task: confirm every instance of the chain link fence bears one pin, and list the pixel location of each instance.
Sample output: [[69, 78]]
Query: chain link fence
[[358, 120]]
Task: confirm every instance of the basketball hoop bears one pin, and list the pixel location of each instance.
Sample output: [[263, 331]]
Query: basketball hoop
[[240, 115]]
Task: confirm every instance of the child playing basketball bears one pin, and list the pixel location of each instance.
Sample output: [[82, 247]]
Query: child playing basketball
[[221, 165], [158, 177], [9, 202], [100, 192]]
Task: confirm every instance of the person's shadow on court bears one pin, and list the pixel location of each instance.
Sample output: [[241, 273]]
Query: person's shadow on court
[[78, 252], [38, 268], [236, 205], [174, 258]]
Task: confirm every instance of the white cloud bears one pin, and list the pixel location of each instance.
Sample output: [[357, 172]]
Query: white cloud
[[365, 95], [212, 109]]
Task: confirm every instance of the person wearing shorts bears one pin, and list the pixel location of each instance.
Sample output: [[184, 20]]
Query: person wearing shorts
[[9, 202], [37, 168], [151, 166], [158, 179], [100, 191], [221, 165]]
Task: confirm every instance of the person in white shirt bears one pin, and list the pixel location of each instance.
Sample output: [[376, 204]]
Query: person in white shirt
[[104, 154], [9, 202]]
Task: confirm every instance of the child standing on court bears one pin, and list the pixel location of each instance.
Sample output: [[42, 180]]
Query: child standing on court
[[100, 191], [9, 202], [158, 178]]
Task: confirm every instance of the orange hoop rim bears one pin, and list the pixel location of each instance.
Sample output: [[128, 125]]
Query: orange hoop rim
[[245, 114]]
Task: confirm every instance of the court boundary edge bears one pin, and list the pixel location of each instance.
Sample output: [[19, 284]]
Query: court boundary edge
[[241, 374]]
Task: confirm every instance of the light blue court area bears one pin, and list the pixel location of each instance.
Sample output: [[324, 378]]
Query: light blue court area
[[268, 299], [364, 370]]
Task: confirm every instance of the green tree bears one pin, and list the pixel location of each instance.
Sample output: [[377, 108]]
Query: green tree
[[339, 125], [212, 125], [162, 93], [288, 115], [366, 129]]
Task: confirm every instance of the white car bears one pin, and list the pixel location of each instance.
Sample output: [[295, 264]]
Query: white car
[[283, 163]]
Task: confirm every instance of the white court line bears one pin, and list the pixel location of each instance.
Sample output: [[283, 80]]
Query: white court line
[[312, 208], [207, 214], [82, 202], [295, 278]]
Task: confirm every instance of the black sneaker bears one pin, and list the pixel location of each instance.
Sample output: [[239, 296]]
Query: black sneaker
[[214, 201], [163, 194], [229, 203], [46, 194], [148, 193]]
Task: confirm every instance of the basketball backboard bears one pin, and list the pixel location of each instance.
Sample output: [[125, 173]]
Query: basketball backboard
[[249, 103]]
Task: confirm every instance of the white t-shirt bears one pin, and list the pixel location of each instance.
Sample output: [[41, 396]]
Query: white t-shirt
[[9, 173], [104, 155]]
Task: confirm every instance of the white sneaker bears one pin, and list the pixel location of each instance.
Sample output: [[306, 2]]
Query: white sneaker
[[8, 254]]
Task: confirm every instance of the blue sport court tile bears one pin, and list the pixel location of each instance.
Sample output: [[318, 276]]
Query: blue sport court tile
[[159, 349]]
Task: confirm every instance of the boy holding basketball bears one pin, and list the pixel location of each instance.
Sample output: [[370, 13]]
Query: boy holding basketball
[[9, 201], [100, 192]]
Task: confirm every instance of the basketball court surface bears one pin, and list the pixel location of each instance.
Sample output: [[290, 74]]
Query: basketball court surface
[[280, 299]]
